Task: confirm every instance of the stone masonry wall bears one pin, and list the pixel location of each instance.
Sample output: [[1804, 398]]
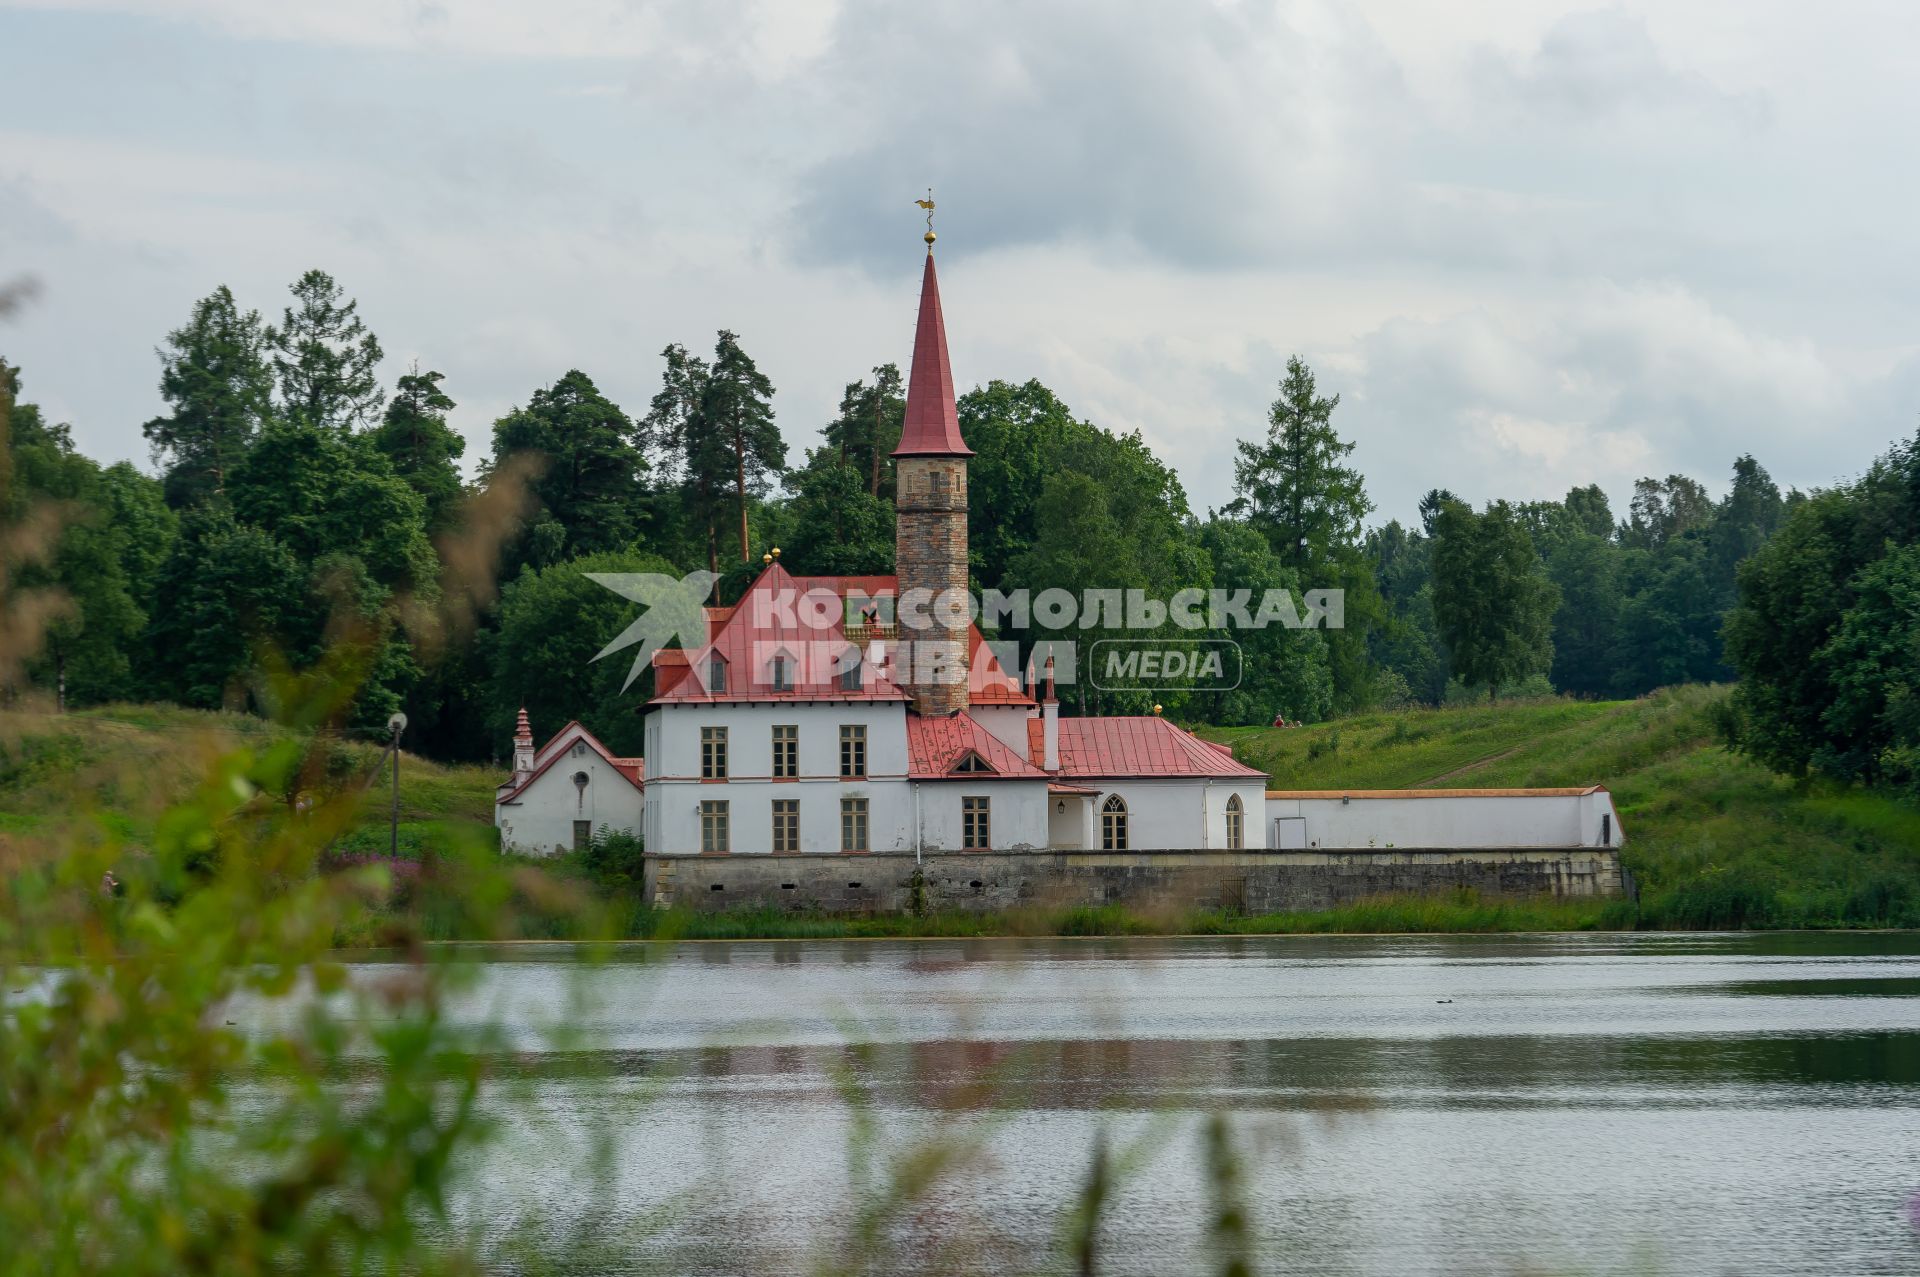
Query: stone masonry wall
[[930, 553], [1251, 882]]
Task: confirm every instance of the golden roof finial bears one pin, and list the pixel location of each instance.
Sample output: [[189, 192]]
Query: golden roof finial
[[927, 204]]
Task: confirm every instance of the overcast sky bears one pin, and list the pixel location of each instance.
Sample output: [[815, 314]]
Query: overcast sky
[[1531, 245]]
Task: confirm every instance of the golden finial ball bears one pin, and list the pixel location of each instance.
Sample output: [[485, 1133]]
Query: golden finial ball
[[929, 237], [766, 558], [1156, 709], [776, 551]]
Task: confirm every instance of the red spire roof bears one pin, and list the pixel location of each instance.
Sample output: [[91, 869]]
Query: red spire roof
[[932, 425]]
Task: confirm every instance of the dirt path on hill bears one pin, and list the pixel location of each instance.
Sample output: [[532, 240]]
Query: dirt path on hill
[[1475, 765]]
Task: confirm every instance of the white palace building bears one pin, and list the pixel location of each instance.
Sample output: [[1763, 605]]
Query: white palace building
[[805, 725]]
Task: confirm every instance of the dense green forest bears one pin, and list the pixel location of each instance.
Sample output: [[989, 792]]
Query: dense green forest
[[301, 508]]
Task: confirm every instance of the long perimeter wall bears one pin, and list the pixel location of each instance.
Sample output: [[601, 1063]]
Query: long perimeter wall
[[1252, 882]]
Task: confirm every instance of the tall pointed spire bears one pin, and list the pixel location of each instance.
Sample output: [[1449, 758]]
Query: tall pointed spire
[[932, 425]]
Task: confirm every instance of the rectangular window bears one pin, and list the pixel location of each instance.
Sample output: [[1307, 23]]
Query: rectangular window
[[786, 824], [975, 824], [853, 824], [582, 834], [713, 753], [853, 750], [850, 675], [786, 751], [713, 827], [782, 673], [717, 675]]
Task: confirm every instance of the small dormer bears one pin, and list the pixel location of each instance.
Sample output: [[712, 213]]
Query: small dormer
[[715, 671], [780, 671], [971, 764], [850, 677]]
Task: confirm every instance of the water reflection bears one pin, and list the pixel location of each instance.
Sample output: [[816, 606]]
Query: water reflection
[[1722, 1104]]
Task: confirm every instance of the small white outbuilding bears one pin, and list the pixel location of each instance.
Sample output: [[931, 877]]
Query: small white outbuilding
[[1441, 819], [564, 793]]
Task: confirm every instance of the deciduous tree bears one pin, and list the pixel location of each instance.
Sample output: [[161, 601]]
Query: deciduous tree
[[1492, 600]]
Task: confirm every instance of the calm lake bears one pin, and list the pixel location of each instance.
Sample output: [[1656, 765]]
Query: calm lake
[[1740, 1104]]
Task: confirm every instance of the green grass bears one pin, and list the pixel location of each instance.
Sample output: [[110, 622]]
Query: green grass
[[1459, 912]]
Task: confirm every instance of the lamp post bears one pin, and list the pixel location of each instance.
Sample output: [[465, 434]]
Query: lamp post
[[395, 725]]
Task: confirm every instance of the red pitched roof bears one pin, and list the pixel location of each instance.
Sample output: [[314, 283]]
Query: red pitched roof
[[932, 424], [633, 769], [935, 746], [732, 633], [767, 622], [1143, 746]]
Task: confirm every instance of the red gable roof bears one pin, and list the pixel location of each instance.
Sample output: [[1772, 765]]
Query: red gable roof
[[766, 623], [935, 746], [932, 423], [733, 634], [633, 769], [1144, 746]]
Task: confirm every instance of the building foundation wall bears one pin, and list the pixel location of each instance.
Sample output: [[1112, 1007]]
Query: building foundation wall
[[1251, 882]]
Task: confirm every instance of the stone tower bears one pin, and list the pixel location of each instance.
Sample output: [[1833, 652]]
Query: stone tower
[[930, 528]]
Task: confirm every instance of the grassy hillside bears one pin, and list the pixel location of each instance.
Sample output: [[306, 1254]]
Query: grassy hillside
[[1712, 839], [118, 767]]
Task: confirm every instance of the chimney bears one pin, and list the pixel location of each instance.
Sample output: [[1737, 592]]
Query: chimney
[[522, 747], [1049, 719]]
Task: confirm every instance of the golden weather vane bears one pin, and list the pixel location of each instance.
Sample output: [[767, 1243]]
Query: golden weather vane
[[927, 204]]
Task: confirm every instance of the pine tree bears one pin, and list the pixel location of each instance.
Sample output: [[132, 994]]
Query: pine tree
[[325, 357], [868, 427], [423, 448], [593, 487], [737, 419], [1294, 487], [214, 377], [713, 423]]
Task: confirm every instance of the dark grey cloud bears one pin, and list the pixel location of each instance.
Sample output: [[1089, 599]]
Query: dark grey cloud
[[1203, 136]]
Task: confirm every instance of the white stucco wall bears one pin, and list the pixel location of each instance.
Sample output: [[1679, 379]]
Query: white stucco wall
[[1018, 815], [540, 821], [675, 790], [1186, 814], [1007, 722], [1446, 822], [1071, 825]]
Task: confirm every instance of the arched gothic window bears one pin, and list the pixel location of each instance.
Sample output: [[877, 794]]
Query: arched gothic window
[[1113, 824]]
